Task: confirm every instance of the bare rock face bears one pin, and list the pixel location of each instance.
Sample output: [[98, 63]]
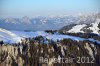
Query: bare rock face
[[9, 55]]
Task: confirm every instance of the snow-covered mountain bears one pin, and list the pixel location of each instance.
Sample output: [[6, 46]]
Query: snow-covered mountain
[[37, 23], [46, 23], [84, 28]]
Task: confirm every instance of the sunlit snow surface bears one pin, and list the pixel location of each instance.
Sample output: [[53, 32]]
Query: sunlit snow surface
[[46, 35], [77, 28], [9, 37], [16, 36], [94, 27]]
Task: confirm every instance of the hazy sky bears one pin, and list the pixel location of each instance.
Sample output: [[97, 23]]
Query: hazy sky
[[46, 7]]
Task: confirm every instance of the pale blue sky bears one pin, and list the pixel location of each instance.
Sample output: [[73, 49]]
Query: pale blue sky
[[46, 7]]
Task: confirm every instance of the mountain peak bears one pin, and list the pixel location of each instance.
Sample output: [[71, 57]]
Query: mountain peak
[[26, 19]]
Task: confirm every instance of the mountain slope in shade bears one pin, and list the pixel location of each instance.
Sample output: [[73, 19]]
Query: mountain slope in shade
[[84, 28]]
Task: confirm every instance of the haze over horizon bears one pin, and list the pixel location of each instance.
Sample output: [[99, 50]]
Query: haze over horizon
[[19, 8]]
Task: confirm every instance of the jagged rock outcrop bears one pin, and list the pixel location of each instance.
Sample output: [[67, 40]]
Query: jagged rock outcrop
[[29, 52]]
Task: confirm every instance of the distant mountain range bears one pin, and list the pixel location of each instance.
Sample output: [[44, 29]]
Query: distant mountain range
[[46, 23]]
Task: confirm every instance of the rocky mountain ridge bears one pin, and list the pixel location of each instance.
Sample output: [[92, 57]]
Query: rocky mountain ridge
[[29, 52]]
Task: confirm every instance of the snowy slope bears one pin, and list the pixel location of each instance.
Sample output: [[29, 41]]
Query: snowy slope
[[30, 34], [77, 28], [46, 35], [95, 28], [8, 36], [16, 36], [54, 37]]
